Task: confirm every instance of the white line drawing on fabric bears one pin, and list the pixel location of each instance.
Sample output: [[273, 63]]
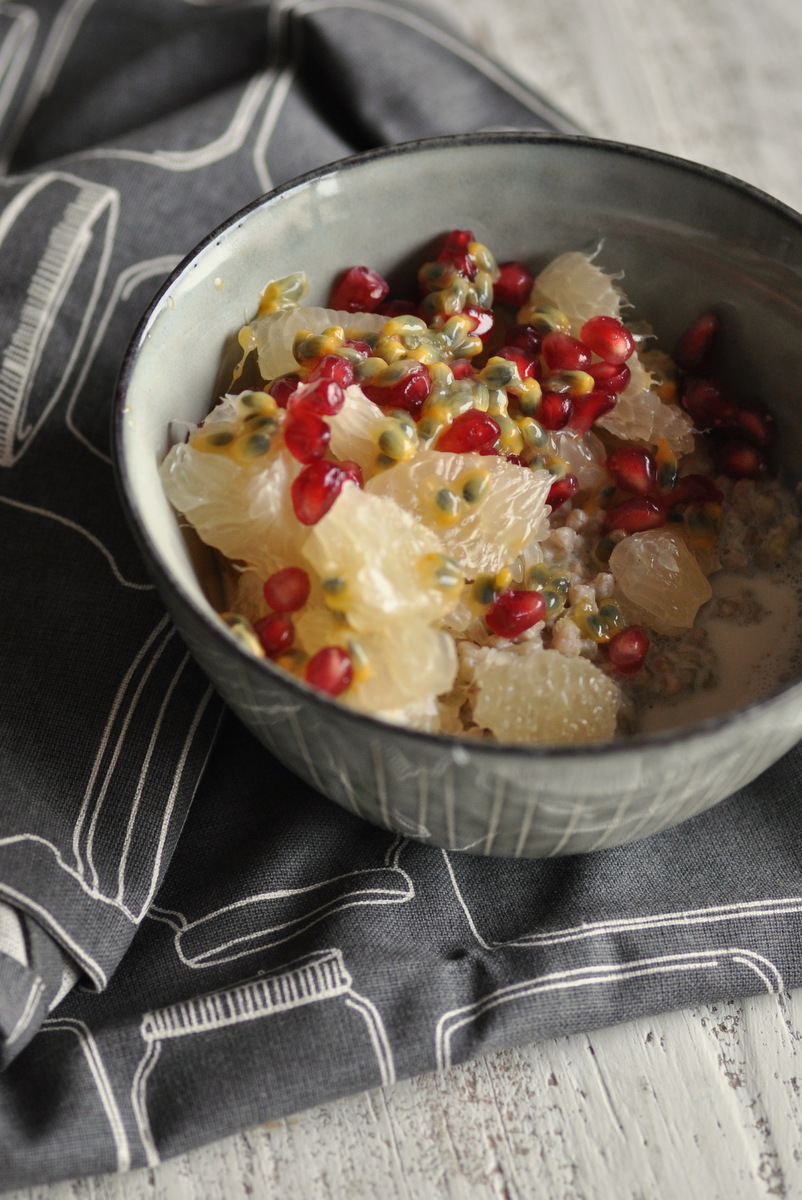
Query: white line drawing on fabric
[[207, 941], [29, 1008], [21, 25], [62, 33], [704, 960], [101, 1080], [148, 837], [715, 914], [90, 537], [87, 206], [226, 144], [127, 281], [309, 980], [285, 9]]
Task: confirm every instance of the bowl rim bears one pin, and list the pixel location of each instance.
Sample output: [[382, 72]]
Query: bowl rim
[[453, 744]]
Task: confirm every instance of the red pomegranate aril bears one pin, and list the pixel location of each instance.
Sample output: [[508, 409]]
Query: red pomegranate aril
[[333, 367], [564, 353], [694, 489], [287, 590], [330, 670], [635, 515], [514, 283], [352, 471], [590, 407], [359, 289], [526, 337], [455, 251], [275, 632], [740, 460], [756, 425], [556, 410], [710, 404], [633, 469], [283, 387], [612, 377], [627, 649], [562, 490], [609, 338], [473, 430], [516, 460], [362, 348], [694, 347], [483, 319], [512, 613], [409, 393], [397, 308], [462, 368], [307, 436], [528, 365], [315, 489], [323, 397]]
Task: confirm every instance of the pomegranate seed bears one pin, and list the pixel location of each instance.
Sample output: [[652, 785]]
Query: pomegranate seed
[[471, 430], [282, 388], [528, 367], [590, 407], [307, 436], [359, 289], [527, 337], [756, 425], [287, 590], [315, 490], [461, 368], [409, 393], [512, 613], [556, 410], [275, 632], [695, 489], [514, 283], [627, 649], [740, 460], [362, 348], [322, 397], [633, 469], [484, 319], [352, 472], [564, 353], [330, 670], [710, 404], [397, 308], [333, 367], [515, 459], [635, 515], [562, 490], [609, 338], [613, 377], [455, 251], [693, 349]]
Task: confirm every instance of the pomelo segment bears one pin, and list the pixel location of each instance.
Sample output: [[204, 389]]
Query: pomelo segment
[[574, 284], [273, 333], [377, 564], [660, 577], [487, 535], [540, 696]]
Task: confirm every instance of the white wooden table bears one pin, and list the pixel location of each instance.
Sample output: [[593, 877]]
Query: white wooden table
[[696, 1105]]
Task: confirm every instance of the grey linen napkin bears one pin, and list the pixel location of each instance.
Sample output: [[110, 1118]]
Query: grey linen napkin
[[227, 925]]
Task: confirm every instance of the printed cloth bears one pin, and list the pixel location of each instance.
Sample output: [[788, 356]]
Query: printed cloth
[[177, 907]]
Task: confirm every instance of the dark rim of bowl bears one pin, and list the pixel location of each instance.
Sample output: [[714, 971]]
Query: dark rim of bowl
[[634, 744]]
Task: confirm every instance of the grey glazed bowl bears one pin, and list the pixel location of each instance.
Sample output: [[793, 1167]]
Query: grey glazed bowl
[[685, 237]]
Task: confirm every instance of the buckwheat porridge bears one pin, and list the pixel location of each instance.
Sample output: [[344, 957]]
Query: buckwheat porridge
[[497, 509]]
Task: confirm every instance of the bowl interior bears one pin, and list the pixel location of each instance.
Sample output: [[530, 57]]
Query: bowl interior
[[683, 238]]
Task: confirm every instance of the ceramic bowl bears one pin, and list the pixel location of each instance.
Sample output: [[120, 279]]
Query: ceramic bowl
[[685, 237]]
